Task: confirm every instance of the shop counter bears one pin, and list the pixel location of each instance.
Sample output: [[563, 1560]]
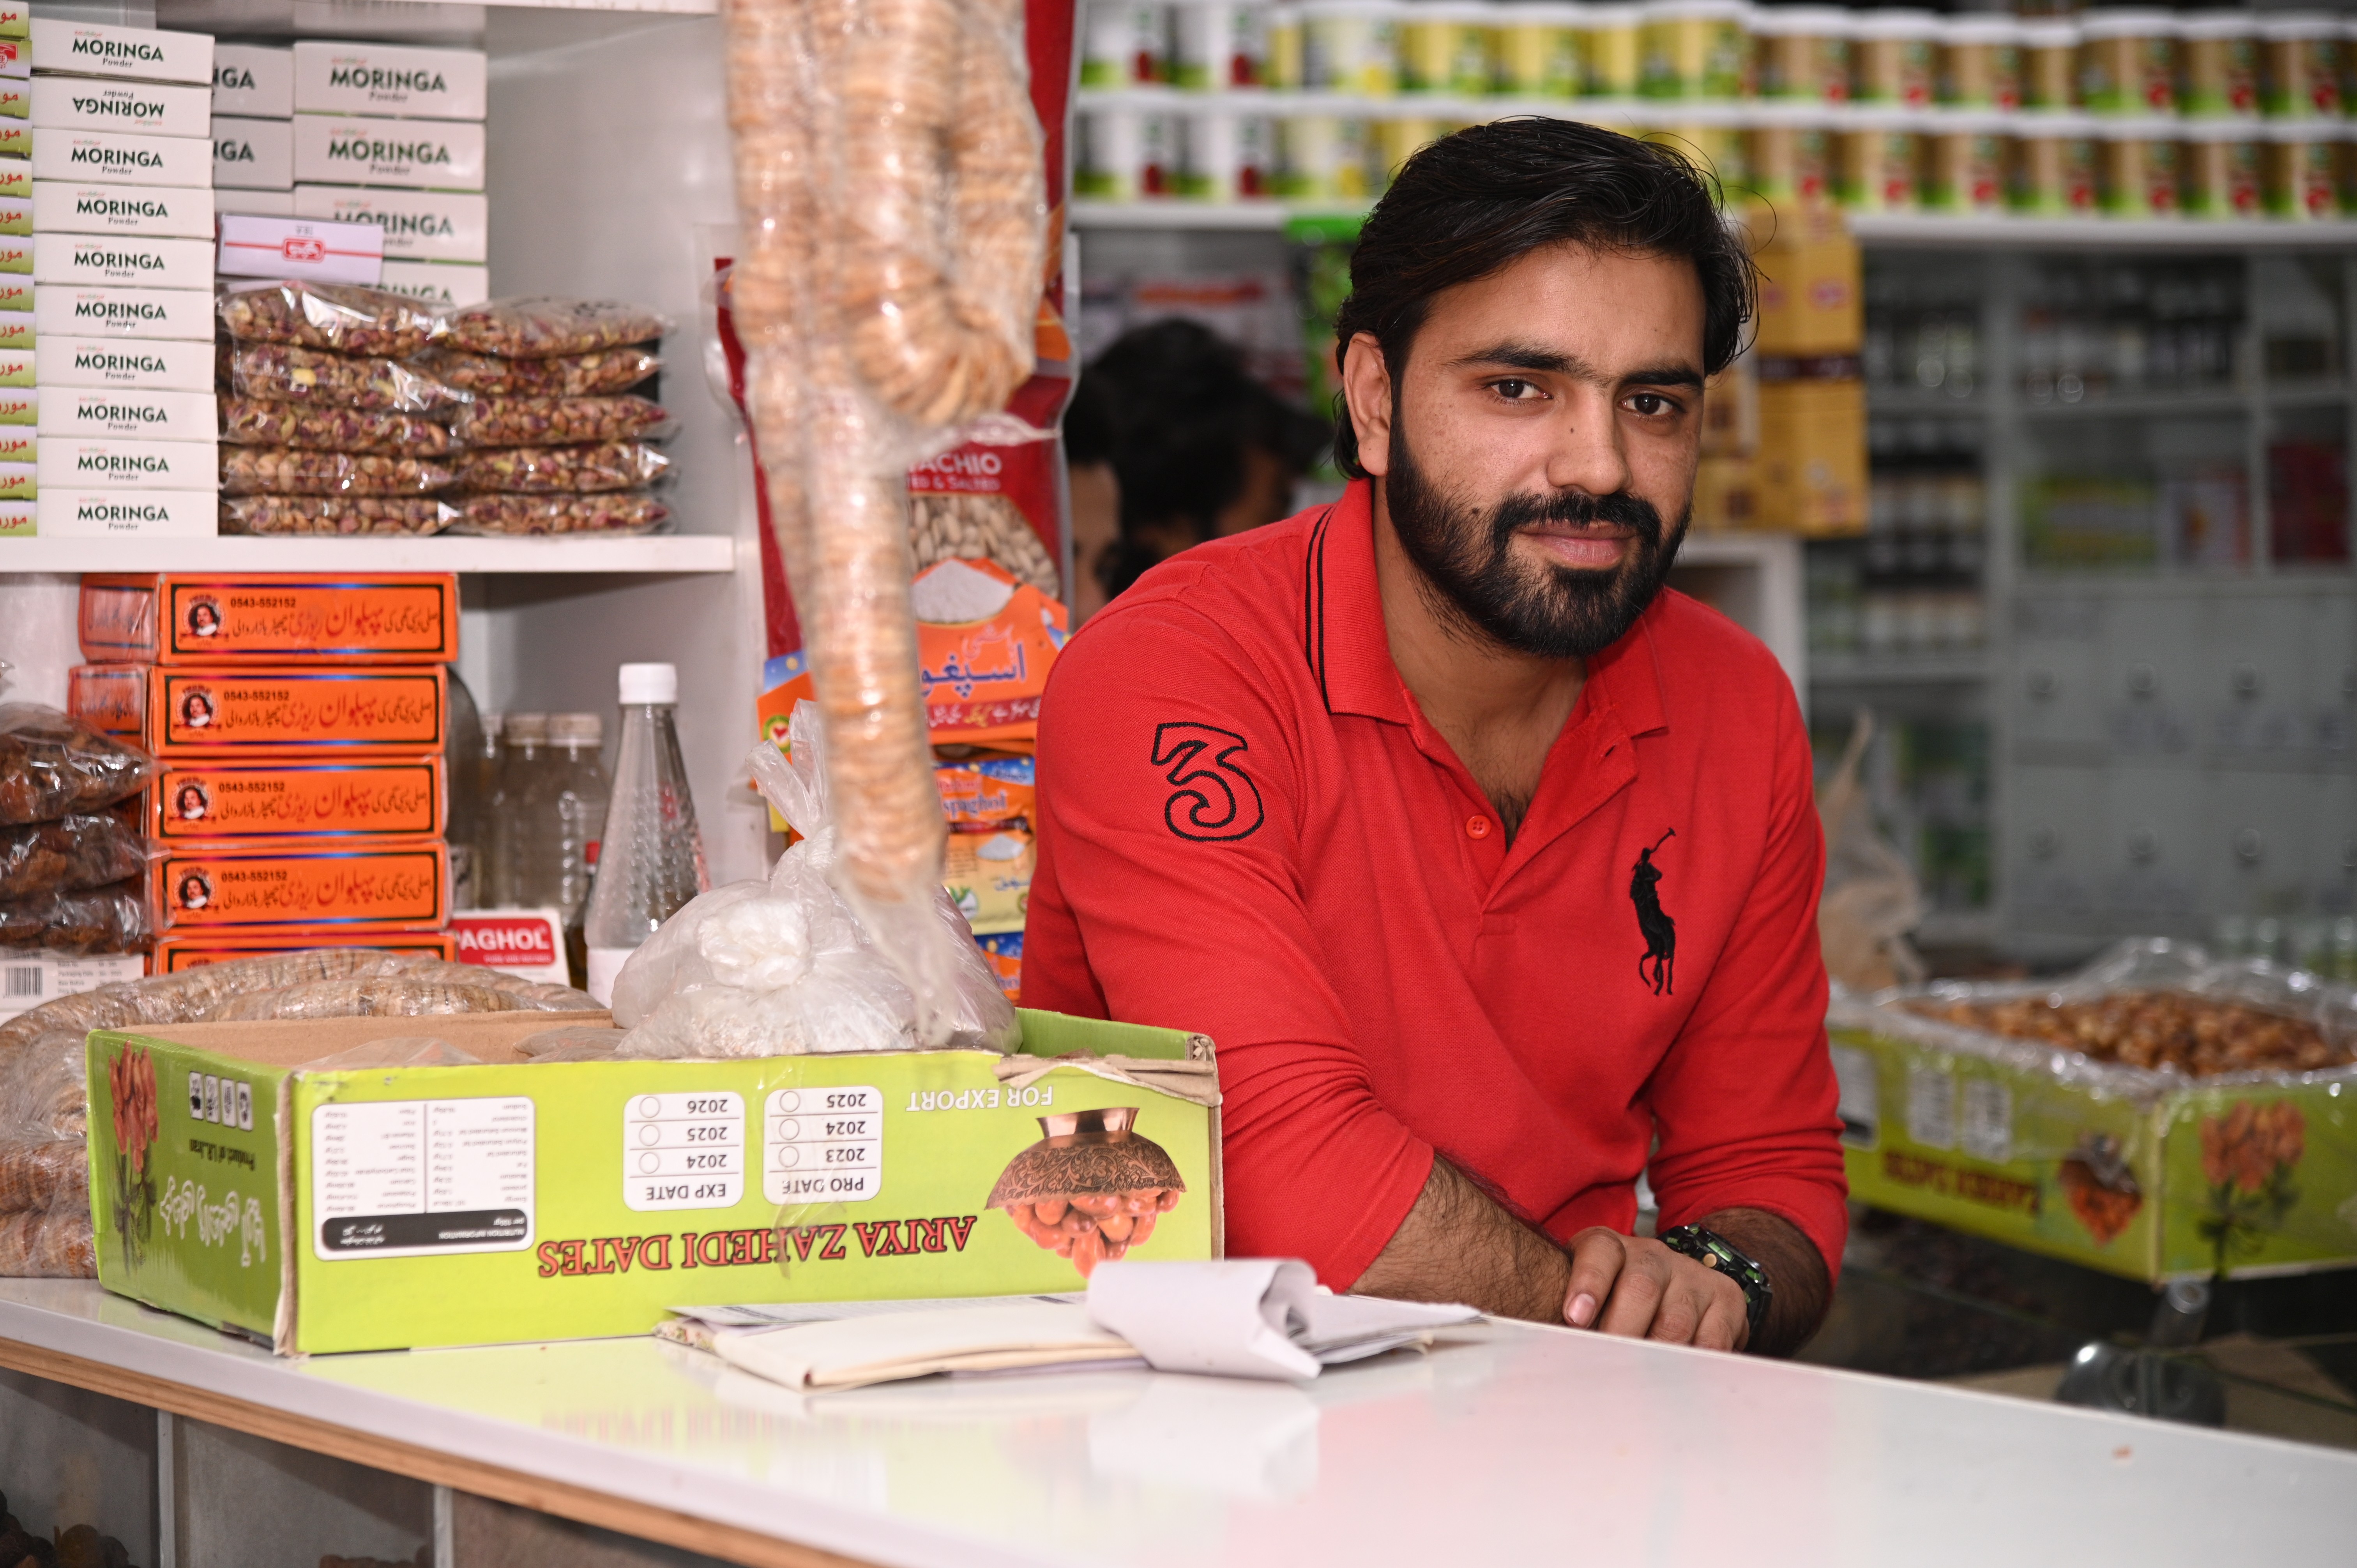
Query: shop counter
[[1505, 1442]]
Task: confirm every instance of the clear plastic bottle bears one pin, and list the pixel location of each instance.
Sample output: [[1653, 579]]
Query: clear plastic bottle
[[523, 743], [564, 814], [650, 858]]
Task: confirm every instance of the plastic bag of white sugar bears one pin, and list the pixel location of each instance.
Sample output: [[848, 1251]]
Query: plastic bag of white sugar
[[954, 592]]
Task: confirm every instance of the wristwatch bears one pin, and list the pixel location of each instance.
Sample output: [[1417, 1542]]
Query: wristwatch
[[1713, 1250]]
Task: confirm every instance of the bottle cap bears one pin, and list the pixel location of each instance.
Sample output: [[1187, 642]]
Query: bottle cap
[[576, 729], [525, 729], [650, 683]]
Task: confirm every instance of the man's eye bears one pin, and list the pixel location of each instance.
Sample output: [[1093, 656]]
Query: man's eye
[[1513, 391], [1649, 404]]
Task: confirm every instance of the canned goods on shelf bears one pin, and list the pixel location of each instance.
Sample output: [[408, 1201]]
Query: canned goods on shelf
[[1218, 44], [1444, 46], [2300, 170], [1351, 46], [2220, 165], [1322, 157], [1891, 54], [1124, 45], [2218, 64], [1534, 51], [2300, 67], [1695, 50], [1879, 166], [2127, 62], [1964, 167], [1222, 156], [2050, 172], [1980, 62], [1801, 54], [1612, 50], [2137, 170], [2050, 66]]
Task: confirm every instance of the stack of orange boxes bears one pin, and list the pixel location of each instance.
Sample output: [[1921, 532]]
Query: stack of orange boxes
[[300, 720]]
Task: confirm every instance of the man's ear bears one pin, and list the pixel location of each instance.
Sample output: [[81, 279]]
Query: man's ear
[[1367, 391]]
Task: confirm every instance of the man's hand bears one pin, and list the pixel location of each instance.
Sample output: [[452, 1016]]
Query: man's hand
[[1635, 1287]]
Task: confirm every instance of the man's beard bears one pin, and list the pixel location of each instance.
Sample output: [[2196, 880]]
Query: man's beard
[[1552, 611]]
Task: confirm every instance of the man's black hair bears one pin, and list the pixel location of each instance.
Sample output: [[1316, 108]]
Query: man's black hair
[[1472, 203]]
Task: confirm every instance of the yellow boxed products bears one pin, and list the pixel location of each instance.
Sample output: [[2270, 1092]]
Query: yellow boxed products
[[1810, 298], [1812, 464]]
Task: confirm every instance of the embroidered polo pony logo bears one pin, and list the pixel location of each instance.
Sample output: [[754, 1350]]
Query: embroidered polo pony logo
[[1658, 966]]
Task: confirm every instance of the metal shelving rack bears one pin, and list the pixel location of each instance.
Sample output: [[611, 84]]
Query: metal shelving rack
[[2096, 829]]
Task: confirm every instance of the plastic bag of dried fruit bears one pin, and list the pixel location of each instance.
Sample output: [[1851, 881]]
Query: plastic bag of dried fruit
[[784, 967], [892, 199]]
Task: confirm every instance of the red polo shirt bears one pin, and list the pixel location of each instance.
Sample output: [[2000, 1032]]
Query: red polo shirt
[[1248, 829]]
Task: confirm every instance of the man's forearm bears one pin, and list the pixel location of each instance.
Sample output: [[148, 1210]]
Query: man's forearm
[[1795, 1270], [1458, 1245]]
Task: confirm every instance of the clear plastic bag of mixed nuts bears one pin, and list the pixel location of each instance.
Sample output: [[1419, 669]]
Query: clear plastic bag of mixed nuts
[[345, 318], [609, 513], [294, 374], [584, 469], [323, 427], [557, 421], [285, 515], [560, 375], [293, 471], [539, 328]]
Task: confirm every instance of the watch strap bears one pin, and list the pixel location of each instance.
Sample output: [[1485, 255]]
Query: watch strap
[[1713, 1250]]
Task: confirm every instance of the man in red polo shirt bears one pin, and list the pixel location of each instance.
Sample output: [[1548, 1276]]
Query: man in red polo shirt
[[1489, 864]]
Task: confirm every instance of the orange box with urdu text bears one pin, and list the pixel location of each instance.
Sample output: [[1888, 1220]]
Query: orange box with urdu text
[[393, 885], [283, 618]]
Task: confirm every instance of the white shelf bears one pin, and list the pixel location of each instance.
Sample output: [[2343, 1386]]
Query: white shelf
[[2097, 233], [1909, 230], [1908, 669], [655, 554]]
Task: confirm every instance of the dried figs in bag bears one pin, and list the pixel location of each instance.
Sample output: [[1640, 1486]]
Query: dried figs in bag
[[317, 427], [333, 514], [586, 469], [543, 327], [95, 919], [293, 471], [560, 375], [82, 851], [343, 317], [52, 763]]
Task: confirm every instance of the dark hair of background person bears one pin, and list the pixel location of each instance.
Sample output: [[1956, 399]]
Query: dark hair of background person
[[1472, 203], [1184, 416]]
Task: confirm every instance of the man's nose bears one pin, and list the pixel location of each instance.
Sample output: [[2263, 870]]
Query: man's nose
[[1587, 453]]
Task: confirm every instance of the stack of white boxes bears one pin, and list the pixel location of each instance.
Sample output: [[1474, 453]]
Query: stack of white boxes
[[123, 275], [394, 136], [254, 129], [18, 402]]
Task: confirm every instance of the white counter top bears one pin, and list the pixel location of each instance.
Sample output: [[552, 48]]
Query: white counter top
[[1504, 1444]]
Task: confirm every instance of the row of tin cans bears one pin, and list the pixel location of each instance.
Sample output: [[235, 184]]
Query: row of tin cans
[[1993, 165]]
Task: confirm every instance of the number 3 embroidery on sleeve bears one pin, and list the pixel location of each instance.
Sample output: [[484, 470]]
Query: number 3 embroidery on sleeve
[[1211, 804]]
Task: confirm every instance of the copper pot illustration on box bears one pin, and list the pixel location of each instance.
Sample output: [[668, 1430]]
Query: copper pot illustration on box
[[1091, 1189]]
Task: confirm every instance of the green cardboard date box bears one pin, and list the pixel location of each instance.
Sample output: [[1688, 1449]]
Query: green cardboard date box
[[389, 1207], [2114, 1170]]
